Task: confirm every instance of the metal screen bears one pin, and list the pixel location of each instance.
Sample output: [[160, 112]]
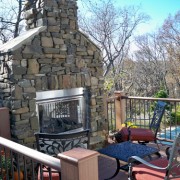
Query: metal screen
[[62, 110]]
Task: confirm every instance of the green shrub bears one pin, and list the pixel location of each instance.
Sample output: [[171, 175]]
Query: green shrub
[[175, 117], [161, 94]]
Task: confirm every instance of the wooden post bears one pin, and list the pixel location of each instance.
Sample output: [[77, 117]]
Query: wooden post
[[120, 109], [79, 164], [5, 123]]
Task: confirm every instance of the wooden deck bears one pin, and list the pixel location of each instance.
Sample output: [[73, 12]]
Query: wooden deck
[[107, 166]]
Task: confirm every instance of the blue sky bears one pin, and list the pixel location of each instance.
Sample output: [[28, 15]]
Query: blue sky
[[158, 10]]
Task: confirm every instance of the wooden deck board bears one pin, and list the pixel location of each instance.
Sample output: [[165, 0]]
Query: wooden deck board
[[107, 167]]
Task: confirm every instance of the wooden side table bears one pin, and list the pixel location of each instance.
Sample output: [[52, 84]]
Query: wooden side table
[[79, 164]]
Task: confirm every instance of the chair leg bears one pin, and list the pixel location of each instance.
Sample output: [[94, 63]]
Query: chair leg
[[129, 134], [130, 172], [158, 145], [155, 141]]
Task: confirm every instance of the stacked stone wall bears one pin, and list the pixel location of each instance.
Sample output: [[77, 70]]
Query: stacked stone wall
[[60, 57]]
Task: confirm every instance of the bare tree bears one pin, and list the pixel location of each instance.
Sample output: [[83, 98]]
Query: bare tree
[[10, 19], [111, 28], [156, 63], [150, 69], [170, 39]]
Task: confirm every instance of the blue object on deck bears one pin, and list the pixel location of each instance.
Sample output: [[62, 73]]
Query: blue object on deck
[[169, 134], [123, 151]]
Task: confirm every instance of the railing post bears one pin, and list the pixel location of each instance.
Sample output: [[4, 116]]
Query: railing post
[[79, 164], [120, 109], [5, 123]]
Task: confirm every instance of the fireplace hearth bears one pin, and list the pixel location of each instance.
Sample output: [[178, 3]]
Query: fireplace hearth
[[63, 110]]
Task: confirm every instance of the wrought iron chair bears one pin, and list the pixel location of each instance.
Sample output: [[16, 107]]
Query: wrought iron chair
[[146, 134], [163, 168], [53, 144]]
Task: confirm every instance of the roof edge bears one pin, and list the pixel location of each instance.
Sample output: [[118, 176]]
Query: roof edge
[[24, 38]]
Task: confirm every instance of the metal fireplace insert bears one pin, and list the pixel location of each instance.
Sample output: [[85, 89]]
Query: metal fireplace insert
[[66, 110]]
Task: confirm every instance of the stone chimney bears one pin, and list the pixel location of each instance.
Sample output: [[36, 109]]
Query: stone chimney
[[57, 15]]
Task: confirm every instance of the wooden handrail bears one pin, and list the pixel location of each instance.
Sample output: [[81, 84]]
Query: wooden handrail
[[31, 153], [143, 98], [151, 98]]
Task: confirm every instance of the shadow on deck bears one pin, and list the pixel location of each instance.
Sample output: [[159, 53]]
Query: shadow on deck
[[107, 167]]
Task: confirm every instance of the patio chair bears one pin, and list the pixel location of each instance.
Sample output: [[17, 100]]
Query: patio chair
[[146, 134], [163, 168], [53, 144]]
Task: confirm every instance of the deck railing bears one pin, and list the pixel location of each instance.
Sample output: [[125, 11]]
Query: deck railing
[[20, 162], [121, 107]]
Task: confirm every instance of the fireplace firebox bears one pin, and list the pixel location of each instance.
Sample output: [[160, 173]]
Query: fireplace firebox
[[64, 110]]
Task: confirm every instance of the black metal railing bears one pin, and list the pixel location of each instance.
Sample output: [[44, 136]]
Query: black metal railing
[[111, 114], [142, 108], [22, 163]]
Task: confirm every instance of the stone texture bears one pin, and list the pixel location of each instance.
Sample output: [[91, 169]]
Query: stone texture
[[51, 50], [17, 92], [20, 110], [58, 41], [33, 66], [24, 83], [32, 105], [26, 115], [47, 42], [58, 56], [29, 139], [19, 70], [16, 104], [94, 81], [66, 81], [34, 123]]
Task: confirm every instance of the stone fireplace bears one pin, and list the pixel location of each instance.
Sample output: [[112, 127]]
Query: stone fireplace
[[51, 55]]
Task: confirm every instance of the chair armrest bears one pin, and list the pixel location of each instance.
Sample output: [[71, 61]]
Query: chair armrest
[[168, 152], [134, 159]]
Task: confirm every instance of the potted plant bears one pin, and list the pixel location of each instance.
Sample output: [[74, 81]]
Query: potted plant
[[5, 167], [5, 164]]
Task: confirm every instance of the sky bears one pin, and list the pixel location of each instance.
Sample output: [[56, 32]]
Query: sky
[[158, 10]]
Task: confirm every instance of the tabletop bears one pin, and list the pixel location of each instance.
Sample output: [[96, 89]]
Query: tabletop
[[124, 150]]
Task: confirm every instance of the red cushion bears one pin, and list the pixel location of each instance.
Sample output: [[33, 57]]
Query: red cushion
[[142, 172], [54, 174], [137, 134]]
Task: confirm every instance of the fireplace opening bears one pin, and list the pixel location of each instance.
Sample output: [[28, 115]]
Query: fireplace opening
[[63, 110]]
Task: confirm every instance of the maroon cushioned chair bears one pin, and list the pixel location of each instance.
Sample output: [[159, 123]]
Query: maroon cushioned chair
[[53, 144], [163, 168], [143, 135], [47, 172]]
